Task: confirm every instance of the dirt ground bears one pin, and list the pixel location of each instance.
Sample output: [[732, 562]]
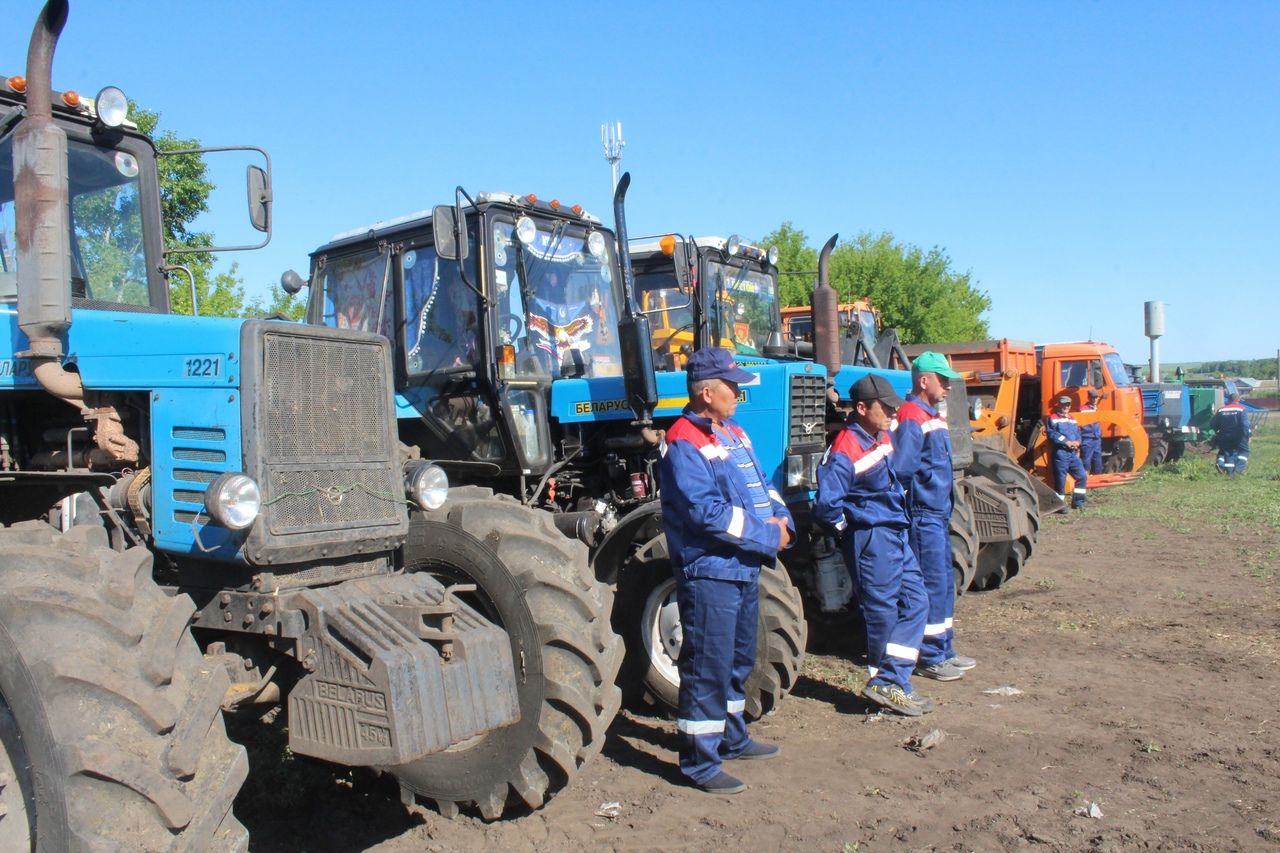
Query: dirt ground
[[1148, 662]]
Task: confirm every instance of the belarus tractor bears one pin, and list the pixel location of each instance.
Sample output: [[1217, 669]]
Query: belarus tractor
[[524, 368], [207, 516]]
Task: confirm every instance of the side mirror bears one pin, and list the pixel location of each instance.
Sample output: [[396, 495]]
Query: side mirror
[[292, 282], [446, 229], [259, 186]]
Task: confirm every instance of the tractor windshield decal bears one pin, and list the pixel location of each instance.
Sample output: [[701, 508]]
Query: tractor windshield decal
[[567, 326]]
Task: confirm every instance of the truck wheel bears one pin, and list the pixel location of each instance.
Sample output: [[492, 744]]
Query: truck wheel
[[964, 538], [110, 717], [648, 618], [535, 584], [1001, 561]]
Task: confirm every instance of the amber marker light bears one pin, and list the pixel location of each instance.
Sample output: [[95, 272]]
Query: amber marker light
[[577, 210], [506, 361], [71, 99], [555, 203], [17, 83], [531, 198], [668, 244]]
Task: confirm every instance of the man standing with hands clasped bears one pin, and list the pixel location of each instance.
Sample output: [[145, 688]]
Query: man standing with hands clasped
[[922, 461], [723, 520]]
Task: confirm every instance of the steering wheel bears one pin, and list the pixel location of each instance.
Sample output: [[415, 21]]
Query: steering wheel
[[505, 321]]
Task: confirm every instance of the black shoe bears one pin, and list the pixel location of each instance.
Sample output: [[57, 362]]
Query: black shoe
[[723, 783], [757, 751]]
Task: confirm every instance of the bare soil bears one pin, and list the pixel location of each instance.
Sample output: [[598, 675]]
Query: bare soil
[[1149, 665]]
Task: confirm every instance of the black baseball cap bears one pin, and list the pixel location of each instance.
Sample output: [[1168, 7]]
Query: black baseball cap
[[871, 387]]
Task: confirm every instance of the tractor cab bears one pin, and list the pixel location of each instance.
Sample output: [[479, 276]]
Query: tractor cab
[[114, 205], [482, 326], [706, 291]]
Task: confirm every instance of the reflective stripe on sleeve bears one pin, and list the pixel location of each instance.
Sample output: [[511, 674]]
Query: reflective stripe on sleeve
[[736, 706], [700, 727], [931, 425], [869, 461], [737, 521], [903, 652]]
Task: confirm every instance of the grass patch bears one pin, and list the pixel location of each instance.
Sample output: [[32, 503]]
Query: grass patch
[[1190, 494]]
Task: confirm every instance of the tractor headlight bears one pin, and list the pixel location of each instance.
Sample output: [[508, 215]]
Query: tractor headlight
[[112, 106], [773, 256], [595, 245], [526, 231], [796, 472], [233, 500], [733, 245], [426, 485]]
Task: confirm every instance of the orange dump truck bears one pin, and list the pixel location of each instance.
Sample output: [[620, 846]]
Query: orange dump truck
[[1012, 386]]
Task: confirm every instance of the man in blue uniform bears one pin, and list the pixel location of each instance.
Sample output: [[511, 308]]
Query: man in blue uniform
[[1091, 436], [1064, 435], [1231, 427], [922, 462], [861, 499], [723, 520]]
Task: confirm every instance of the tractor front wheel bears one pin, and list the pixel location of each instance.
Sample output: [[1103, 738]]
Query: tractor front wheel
[[649, 619], [536, 585]]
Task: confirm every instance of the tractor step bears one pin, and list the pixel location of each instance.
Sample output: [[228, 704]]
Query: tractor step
[[399, 669]]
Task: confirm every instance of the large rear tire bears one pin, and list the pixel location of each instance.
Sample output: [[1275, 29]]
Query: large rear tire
[[648, 618], [535, 584], [1001, 561], [110, 717]]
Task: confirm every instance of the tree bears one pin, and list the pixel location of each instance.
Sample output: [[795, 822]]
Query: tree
[[184, 195], [916, 291], [796, 260]]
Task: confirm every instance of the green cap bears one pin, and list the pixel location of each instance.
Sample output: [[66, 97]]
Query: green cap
[[933, 362]]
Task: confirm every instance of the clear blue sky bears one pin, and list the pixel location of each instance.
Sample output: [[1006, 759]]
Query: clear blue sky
[[1076, 158]]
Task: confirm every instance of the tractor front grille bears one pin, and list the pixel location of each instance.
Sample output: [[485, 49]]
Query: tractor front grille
[[807, 424], [319, 428]]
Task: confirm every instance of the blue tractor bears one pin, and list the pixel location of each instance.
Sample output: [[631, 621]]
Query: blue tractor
[[212, 515], [524, 368]]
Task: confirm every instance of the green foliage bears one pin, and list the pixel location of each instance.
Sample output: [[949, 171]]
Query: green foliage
[[184, 195], [282, 304], [1255, 368], [796, 257], [916, 291]]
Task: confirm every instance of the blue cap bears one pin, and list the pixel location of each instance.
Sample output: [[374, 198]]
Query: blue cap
[[716, 363]]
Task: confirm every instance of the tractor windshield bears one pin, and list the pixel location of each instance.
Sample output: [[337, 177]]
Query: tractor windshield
[[745, 305], [108, 256], [867, 320], [1116, 367], [351, 286], [556, 292]]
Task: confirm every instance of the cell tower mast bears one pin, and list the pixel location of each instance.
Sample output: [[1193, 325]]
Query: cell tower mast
[[611, 139]]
